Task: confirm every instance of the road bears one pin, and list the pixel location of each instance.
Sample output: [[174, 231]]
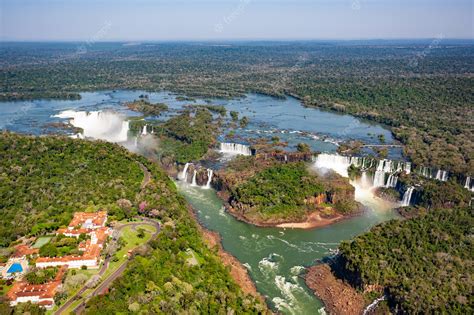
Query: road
[[105, 284]]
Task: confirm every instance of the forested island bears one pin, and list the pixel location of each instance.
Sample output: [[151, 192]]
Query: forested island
[[287, 194]]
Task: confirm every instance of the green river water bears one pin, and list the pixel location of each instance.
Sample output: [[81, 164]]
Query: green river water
[[275, 257]]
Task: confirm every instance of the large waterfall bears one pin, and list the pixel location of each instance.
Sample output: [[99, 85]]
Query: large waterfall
[[363, 186], [104, 125], [407, 196], [468, 184], [337, 163], [144, 131], [184, 175], [197, 179], [209, 178], [392, 181], [235, 148], [442, 175]]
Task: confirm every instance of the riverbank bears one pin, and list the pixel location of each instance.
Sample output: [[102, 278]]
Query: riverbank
[[312, 220], [237, 270], [338, 297]]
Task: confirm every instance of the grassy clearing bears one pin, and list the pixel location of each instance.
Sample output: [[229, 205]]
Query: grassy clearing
[[129, 235], [42, 241]]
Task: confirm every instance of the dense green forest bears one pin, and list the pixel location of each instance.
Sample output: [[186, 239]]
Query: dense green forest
[[45, 179], [160, 280], [188, 136], [146, 108], [425, 263], [271, 191], [428, 100], [279, 191]]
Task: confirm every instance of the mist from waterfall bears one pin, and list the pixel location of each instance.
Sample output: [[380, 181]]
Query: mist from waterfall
[[364, 192], [103, 125]]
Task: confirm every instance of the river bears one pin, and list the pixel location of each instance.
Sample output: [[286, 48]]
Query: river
[[274, 257]]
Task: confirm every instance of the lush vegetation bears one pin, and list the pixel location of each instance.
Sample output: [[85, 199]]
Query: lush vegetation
[[158, 279], [41, 276], [279, 191], [188, 136], [43, 180], [146, 108], [425, 263], [61, 245], [426, 100]]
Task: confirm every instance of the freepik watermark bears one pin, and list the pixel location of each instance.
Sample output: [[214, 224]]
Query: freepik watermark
[[419, 56], [100, 34], [355, 5], [227, 20]]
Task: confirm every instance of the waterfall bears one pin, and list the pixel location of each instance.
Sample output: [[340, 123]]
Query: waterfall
[[337, 163], [365, 181], [425, 171], [193, 183], [104, 125], [184, 175], [407, 196], [235, 148], [408, 167], [209, 178], [136, 141], [392, 181], [144, 131], [441, 175], [379, 176], [372, 305]]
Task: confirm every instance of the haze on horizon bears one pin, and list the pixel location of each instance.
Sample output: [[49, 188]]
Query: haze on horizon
[[138, 20]]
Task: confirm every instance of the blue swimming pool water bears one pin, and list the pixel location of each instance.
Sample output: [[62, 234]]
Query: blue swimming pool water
[[16, 267]]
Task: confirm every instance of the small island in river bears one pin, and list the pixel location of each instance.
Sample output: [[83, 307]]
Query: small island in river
[[264, 191]]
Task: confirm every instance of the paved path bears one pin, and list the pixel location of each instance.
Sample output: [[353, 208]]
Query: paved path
[[105, 284], [146, 176]]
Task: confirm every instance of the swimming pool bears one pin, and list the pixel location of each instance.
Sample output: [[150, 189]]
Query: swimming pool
[[15, 267]]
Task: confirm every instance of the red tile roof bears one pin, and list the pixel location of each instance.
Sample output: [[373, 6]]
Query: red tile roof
[[24, 250]]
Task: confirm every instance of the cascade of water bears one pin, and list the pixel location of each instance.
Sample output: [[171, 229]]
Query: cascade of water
[[379, 176], [193, 182], [209, 178], [365, 181], [184, 175], [136, 141], [408, 167], [391, 181], [372, 305], [467, 184], [407, 197], [144, 131], [337, 163], [107, 125], [441, 175], [235, 148]]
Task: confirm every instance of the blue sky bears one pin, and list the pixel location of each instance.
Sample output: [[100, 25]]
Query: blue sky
[[137, 20]]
